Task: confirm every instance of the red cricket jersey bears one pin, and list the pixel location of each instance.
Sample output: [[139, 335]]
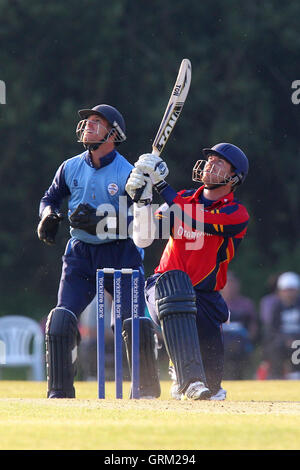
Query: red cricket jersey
[[203, 241]]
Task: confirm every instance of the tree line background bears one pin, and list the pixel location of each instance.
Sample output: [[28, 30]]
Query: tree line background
[[58, 57]]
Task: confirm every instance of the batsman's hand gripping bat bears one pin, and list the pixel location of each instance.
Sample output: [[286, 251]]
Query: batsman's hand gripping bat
[[172, 112]]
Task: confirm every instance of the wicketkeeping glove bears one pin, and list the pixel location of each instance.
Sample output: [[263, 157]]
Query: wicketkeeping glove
[[84, 217], [48, 226]]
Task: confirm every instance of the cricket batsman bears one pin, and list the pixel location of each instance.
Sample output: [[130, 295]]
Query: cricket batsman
[[206, 227]]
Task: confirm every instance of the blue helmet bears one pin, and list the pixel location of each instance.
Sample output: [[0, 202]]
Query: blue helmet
[[112, 115], [233, 155]]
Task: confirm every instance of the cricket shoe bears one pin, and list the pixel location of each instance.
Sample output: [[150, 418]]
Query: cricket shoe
[[196, 391], [220, 395], [174, 391], [177, 395], [175, 385]]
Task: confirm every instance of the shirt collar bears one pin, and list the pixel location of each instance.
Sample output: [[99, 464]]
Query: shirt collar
[[106, 160], [219, 202]]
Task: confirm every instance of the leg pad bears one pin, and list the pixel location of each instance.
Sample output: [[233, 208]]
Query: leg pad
[[149, 379], [62, 337], [176, 305]]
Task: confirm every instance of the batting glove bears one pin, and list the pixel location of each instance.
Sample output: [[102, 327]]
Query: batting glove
[[153, 166], [139, 187]]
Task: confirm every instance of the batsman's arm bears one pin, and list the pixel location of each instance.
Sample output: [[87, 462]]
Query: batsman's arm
[[228, 221], [231, 220], [144, 227]]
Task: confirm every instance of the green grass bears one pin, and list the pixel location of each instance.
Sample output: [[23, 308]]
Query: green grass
[[256, 415]]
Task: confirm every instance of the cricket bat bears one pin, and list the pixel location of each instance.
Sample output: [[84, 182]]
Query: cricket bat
[[172, 112]]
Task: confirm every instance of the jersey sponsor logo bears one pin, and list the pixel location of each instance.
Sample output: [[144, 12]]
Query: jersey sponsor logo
[[190, 234], [112, 188]]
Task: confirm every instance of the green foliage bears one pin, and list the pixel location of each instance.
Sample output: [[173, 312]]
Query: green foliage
[[57, 57]]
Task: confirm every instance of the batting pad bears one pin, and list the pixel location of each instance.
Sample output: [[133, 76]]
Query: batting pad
[[175, 300]]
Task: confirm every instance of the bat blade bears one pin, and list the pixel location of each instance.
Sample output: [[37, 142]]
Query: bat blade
[[174, 106], [172, 112]]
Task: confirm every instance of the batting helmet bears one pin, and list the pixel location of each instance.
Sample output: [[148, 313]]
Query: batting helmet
[[112, 115], [233, 155]]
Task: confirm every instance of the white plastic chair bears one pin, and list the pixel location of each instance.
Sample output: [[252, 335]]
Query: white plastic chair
[[22, 345]]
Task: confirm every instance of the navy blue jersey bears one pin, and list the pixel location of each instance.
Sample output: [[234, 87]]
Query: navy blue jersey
[[79, 181]]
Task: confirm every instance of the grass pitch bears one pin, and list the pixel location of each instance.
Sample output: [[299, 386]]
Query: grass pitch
[[257, 415]]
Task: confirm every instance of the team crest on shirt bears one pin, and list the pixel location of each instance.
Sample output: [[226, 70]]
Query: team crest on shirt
[[112, 188]]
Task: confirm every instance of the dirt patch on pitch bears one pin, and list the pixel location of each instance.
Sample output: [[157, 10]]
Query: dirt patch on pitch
[[225, 407]]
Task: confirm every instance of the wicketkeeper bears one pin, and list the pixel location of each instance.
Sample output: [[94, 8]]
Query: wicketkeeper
[[94, 184], [206, 226]]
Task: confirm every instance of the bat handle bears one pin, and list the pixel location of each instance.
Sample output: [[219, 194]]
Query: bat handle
[[138, 193]]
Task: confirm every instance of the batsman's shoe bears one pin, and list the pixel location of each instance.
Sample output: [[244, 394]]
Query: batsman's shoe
[[220, 395], [196, 391], [174, 391]]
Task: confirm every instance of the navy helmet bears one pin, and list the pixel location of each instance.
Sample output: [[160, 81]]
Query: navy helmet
[[233, 155], [112, 115]]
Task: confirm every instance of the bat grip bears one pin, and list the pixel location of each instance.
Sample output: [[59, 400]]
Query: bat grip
[[138, 193]]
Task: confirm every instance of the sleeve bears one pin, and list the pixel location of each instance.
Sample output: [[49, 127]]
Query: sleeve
[[169, 194], [164, 218], [56, 193], [143, 225], [149, 225], [229, 221]]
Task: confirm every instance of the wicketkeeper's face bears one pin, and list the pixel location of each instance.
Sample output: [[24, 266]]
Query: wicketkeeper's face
[[93, 129]]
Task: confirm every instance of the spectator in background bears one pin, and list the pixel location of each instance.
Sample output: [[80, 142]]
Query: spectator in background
[[267, 305], [241, 332], [268, 302], [284, 328]]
